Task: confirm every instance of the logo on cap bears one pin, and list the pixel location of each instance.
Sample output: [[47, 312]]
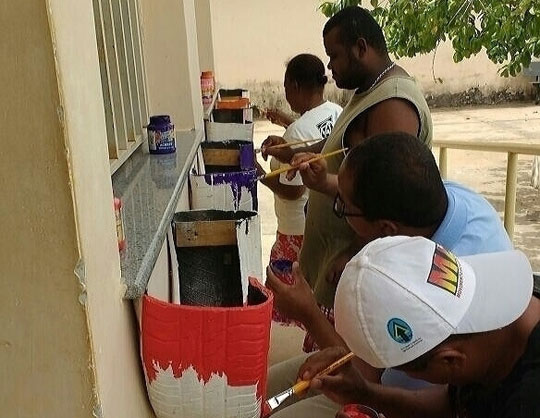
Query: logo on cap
[[399, 330], [445, 272]]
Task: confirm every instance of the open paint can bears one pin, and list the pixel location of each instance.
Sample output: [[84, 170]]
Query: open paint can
[[357, 411]]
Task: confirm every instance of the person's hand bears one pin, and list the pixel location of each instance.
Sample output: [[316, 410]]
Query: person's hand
[[344, 385], [283, 155], [313, 173], [295, 301], [278, 117]]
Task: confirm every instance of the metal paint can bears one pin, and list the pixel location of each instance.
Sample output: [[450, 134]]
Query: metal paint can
[[161, 135]]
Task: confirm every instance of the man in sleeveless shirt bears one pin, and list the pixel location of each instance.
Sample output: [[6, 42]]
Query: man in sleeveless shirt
[[386, 99]]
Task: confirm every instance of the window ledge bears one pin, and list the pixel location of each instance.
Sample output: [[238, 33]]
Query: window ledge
[[150, 186]]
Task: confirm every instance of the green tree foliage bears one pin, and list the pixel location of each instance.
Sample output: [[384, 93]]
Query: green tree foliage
[[508, 30]]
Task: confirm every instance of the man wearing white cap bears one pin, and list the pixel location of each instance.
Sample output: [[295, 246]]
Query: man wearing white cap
[[471, 324]]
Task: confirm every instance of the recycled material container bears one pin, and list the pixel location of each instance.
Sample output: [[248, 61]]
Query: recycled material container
[[208, 86], [207, 362], [207, 357], [217, 252], [161, 135], [357, 411], [229, 179]]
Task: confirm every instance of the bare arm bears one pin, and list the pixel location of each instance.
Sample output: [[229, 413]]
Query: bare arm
[[285, 154], [297, 302], [285, 191], [392, 115], [278, 117], [347, 385]]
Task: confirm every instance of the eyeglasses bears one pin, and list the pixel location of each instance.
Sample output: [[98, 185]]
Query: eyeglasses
[[339, 208]]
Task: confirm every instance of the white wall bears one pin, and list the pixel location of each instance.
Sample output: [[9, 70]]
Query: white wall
[[172, 61], [254, 38]]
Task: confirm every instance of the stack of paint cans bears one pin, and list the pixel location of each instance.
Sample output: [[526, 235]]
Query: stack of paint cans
[[205, 349], [232, 117]]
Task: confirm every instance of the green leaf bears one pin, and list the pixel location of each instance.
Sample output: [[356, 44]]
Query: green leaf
[[509, 31]]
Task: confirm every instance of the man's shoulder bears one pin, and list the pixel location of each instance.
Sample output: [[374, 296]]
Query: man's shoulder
[[516, 396], [464, 193], [471, 224]]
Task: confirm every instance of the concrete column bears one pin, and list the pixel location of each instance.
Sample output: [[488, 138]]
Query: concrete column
[[68, 344], [205, 40], [172, 61]]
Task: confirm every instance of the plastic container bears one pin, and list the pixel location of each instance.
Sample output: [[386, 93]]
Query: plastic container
[[119, 224], [208, 87], [207, 361], [357, 411], [282, 268], [161, 135]]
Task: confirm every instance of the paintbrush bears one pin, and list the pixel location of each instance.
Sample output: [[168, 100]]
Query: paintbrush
[[289, 167], [271, 404], [288, 144]]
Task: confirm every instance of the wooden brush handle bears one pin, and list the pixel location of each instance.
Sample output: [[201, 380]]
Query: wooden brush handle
[[289, 167], [304, 384], [288, 144], [346, 358]]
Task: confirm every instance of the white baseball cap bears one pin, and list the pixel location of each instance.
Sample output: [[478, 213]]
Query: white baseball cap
[[400, 297]]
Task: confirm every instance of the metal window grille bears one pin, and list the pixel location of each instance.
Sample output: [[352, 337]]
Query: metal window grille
[[118, 36]]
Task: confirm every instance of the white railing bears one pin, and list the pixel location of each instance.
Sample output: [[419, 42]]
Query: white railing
[[510, 148]]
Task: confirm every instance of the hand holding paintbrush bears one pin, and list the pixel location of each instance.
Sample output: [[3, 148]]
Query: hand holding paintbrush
[[288, 167], [274, 402]]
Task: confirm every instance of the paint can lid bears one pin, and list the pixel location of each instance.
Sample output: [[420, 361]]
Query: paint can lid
[[160, 120]]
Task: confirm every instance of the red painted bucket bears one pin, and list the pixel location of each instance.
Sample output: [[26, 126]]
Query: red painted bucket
[[207, 361]]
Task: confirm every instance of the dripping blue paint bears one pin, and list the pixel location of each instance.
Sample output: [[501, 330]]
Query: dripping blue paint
[[237, 181]]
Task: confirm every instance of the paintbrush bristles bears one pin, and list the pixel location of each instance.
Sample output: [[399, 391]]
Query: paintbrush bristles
[[289, 167], [275, 401]]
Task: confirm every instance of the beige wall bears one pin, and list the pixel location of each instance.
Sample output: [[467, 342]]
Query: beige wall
[[172, 61], [44, 340], [68, 346], [254, 38], [205, 38], [119, 387]]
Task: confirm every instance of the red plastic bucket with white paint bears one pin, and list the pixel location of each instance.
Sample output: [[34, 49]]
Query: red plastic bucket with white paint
[[207, 361]]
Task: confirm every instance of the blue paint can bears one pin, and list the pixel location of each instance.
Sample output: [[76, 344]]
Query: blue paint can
[[161, 135]]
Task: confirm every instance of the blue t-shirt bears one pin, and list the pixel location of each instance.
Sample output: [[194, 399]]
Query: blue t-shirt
[[471, 226]]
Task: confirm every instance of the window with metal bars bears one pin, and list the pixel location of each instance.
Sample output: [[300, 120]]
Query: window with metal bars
[[118, 36]]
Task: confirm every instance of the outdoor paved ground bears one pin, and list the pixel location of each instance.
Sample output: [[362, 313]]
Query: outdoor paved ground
[[484, 172]]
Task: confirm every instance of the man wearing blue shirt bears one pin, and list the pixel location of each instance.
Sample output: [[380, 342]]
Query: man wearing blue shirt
[[390, 185]]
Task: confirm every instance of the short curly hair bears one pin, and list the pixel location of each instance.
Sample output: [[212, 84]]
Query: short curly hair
[[395, 177], [307, 70], [355, 23]]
